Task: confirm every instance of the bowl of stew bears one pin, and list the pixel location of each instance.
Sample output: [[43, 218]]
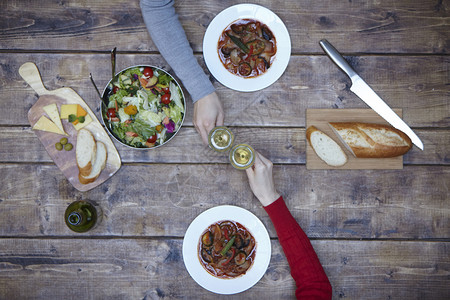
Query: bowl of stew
[[246, 47], [226, 249]]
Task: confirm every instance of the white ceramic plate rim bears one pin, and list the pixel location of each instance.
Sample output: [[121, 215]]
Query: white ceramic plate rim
[[262, 255], [225, 18]]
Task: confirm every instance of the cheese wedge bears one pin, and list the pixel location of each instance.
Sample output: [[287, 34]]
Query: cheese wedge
[[80, 113], [52, 112], [87, 120], [68, 109], [45, 124]]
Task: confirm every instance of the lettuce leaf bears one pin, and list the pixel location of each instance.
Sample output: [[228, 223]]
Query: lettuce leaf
[[142, 128], [176, 114], [150, 118], [176, 96], [164, 79]]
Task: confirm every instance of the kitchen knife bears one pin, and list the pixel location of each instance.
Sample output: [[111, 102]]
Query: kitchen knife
[[366, 93]]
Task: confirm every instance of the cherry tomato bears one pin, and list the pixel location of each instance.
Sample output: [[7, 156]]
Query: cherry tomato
[[166, 90], [152, 139], [165, 98], [148, 72], [115, 89], [111, 113]]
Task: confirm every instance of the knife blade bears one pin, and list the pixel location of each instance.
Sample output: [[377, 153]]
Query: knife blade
[[367, 94]]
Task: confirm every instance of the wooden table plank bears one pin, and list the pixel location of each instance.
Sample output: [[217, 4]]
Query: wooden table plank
[[355, 27], [327, 203], [133, 268], [380, 234], [285, 146], [419, 86]]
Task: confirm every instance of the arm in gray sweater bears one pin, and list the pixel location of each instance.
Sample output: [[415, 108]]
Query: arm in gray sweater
[[169, 36]]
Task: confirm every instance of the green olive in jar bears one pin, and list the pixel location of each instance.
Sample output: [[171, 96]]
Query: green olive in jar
[[58, 146], [68, 147]]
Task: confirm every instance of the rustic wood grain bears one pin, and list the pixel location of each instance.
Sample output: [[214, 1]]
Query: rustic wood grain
[[380, 234], [132, 268], [284, 145], [419, 86], [143, 200], [400, 26]]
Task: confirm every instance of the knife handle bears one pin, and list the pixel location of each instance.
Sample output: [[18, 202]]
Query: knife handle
[[337, 58]]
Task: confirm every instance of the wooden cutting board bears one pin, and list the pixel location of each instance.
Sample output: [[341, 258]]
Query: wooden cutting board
[[320, 118], [66, 160]]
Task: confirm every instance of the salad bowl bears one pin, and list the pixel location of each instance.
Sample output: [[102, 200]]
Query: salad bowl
[[143, 107]]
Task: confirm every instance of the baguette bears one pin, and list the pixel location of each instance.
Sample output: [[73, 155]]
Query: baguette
[[325, 147], [366, 140], [98, 165], [85, 152]]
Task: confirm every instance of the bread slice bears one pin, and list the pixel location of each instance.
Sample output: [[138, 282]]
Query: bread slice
[[98, 166], [367, 140], [325, 147], [86, 150]]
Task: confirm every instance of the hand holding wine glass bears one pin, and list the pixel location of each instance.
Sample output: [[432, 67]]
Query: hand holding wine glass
[[261, 182]]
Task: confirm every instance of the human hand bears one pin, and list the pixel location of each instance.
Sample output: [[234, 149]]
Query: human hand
[[260, 179], [208, 113]]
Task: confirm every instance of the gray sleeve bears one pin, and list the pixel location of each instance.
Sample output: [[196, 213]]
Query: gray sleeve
[[168, 35]]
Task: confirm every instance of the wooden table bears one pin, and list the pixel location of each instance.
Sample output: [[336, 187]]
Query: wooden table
[[380, 234]]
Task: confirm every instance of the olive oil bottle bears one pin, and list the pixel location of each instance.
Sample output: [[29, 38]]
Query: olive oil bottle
[[81, 216]]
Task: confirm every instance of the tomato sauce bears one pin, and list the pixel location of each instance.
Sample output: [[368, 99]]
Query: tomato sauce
[[226, 249], [247, 48]]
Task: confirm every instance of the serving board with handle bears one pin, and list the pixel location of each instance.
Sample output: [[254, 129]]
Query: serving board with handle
[[66, 160], [320, 119]]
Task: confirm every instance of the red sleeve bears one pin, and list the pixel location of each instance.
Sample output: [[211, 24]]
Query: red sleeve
[[309, 276]]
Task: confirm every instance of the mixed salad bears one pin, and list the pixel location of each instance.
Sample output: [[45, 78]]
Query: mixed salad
[[145, 107]]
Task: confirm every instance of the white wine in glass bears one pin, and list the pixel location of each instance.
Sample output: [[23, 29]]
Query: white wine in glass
[[220, 139], [242, 156]]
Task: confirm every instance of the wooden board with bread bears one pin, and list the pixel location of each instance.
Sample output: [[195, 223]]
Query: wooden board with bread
[[62, 113], [367, 140]]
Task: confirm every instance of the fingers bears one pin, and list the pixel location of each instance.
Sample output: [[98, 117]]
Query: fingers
[[250, 173], [267, 163], [261, 161], [205, 127], [203, 133], [220, 119]]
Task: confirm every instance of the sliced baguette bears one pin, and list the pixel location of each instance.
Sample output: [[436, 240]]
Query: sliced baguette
[[325, 147], [86, 150], [366, 140], [98, 166]]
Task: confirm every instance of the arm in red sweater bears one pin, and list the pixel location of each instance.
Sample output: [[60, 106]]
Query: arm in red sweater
[[309, 276]]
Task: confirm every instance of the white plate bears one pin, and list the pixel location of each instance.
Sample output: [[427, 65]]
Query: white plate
[[225, 18], [192, 238]]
